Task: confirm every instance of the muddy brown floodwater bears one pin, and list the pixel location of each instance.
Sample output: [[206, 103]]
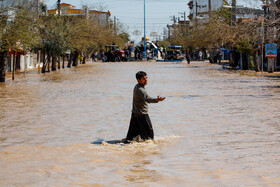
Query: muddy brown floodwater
[[217, 127]]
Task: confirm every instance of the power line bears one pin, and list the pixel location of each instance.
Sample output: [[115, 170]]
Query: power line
[[151, 23], [131, 2]]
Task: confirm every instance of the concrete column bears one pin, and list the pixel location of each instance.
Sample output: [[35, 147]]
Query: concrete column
[[31, 60], [22, 63], [11, 62], [27, 60]]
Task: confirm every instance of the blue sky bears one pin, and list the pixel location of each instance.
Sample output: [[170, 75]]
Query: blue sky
[[131, 12]]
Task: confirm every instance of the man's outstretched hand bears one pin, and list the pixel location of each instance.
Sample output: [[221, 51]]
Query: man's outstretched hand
[[160, 98]]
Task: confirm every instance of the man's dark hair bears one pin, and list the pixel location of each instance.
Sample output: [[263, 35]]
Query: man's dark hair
[[140, 74]]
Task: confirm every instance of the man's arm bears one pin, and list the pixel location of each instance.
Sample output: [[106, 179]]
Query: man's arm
[[160, 98], [149, 99]]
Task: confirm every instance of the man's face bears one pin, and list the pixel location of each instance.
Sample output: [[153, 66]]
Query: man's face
[[143, 80]]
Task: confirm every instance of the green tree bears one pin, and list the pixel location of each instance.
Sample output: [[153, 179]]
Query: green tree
[[122, 39], [218, 31], [55, 40], [20, 33]]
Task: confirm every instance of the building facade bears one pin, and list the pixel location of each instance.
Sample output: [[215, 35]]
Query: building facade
[[201, 9], [203, 6], [102, 17]]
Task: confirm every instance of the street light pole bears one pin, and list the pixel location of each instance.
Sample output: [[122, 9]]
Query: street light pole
[[145, 29], [262, 43]]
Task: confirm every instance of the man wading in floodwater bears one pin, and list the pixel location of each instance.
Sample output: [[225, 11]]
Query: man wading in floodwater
[[140, 123]]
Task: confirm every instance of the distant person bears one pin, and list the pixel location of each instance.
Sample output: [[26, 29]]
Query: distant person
[[161, 52], [219, 56], [103, 57], [207, 54], [188, 58], [93, 57], [127, 53], [200, 55], [212, 58], [136, 52], [140, 123]]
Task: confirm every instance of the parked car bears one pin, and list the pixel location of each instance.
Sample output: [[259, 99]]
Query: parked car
[[173, 54], [114, 54]]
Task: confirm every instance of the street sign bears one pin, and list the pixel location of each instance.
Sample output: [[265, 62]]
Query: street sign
[[270, 50]]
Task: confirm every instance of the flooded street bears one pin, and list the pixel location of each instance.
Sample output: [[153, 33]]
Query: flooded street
[[216, 127]]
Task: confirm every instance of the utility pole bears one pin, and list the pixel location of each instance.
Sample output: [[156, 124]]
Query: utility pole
[[270, 35], [264, 24], [185, 24], [233, 13], [209, 8], [37, 8], [58, 7], [196, 8], [115, 26]]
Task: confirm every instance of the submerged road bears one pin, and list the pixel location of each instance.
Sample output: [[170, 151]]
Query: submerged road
[[216, 127]]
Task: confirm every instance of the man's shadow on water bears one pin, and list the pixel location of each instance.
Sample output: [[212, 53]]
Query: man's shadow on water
[[99, 141]]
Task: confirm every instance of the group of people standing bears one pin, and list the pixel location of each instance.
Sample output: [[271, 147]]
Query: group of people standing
[[214, 56]]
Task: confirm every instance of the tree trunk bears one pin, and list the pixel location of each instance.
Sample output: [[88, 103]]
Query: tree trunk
[[14, 66], [231, 62], [48, 61], [18, 59], [3, 59], [75, 58], [63, 61], [245, 61], [84, 60], [256, 62], [58, 62], [69, 61], [54, 59], [44, 63], [38, 60]]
